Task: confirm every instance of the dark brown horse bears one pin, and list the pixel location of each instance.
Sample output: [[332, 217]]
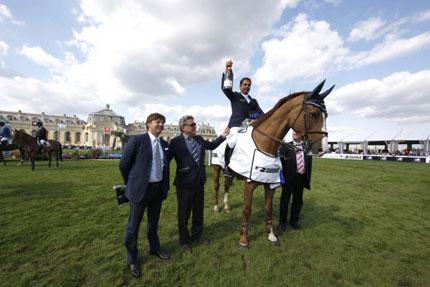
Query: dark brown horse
[[31, 147], [305, 113]]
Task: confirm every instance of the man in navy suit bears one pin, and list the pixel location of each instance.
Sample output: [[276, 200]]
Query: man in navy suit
[[243, 107], [188, 150], [145, 168], [297, 169]]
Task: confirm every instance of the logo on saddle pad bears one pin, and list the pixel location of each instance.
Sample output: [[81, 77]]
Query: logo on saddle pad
[[267, 169]]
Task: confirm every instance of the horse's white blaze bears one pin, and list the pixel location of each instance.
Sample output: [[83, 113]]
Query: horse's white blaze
[[272, 236]]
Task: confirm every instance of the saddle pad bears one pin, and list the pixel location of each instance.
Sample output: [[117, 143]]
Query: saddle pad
[[217, 155], [253, 164]]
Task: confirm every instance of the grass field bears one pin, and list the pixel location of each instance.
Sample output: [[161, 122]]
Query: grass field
[[364, 224]]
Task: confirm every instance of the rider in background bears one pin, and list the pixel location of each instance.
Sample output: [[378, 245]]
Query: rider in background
[[5, 135], [41, 136], [243, 108]]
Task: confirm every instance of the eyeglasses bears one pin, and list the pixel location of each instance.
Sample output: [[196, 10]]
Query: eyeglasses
[[191, 125]]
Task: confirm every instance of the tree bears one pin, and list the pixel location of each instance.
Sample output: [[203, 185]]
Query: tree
[[121, 135]]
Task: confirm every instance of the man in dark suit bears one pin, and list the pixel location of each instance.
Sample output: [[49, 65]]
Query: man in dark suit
[[145, 168], [243, 107], [296, 168], [188, 150]]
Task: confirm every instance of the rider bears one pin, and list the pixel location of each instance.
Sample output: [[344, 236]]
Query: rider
[[5, 136], [41, 135], [243, 108]]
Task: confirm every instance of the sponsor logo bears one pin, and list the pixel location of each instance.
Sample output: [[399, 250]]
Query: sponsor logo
[[267, 169]]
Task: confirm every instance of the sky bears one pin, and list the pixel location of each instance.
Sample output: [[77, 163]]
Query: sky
[[167, 56]]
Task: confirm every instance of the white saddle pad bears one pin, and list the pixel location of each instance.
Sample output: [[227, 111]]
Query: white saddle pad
[[253, 164], [217, 155]]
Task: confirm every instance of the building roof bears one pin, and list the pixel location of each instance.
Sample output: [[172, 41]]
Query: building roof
[[106, 112]]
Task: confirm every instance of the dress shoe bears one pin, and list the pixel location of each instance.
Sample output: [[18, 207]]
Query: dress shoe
[[160, 254], [202, 241], [187, 248], [282, 227], [134, 269], [295, 225]]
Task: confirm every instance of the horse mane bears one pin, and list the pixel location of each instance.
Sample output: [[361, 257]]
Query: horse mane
[[276, 107], [24, 135]]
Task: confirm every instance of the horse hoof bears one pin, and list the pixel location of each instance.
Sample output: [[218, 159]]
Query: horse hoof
[[276, 243], [216, 208], [227, 210], [243, 245]]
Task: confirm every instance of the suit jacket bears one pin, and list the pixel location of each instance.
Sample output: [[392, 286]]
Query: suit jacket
[[41, 133], [135, 167], [289, 167], [240, 108], [188, 173]]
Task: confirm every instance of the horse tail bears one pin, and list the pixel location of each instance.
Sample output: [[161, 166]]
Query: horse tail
[[60, 152]]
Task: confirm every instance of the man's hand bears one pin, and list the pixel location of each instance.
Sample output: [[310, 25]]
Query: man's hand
[[226, 132], [228, 65]]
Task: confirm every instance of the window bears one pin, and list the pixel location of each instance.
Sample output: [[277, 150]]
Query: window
[[78, 138], [67, 137]]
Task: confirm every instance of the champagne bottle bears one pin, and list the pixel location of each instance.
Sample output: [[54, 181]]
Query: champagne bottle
[[228, 80]]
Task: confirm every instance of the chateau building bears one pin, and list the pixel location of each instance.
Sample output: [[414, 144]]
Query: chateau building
[[95, 132]]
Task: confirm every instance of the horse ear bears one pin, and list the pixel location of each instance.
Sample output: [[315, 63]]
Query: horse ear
[[326, 93], [316, 91]]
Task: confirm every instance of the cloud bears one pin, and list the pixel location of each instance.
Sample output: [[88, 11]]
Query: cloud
[[367, 30], [392, 47], [401, 97], [312, 49], [155, 49], [33, 95], [136, 51], [5, 14], [304, 48], [4, 47], [422, 16], [40, 57]]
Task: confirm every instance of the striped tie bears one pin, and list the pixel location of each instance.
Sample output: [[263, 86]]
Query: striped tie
[[300, 162], [195, 150]]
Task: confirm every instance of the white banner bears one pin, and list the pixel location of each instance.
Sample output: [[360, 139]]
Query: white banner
[[343, 156]]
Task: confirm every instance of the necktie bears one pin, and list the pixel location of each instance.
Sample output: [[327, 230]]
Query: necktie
[[300, 162], [157, 160], [194, 150]]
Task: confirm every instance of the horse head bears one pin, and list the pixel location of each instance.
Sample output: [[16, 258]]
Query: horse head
[[310, 123]]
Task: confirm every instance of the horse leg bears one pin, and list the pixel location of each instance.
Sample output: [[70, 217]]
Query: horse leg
[[216, 172], [247, 207], [32, 158], [21, 153], [49, 158], [56, 157], [268, 204], [227, 183]]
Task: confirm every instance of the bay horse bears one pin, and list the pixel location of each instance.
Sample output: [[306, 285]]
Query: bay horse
[[29, 144], [218, 163], [305, 113]]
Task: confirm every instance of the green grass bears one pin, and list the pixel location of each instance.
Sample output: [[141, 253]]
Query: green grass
[[364, 224]]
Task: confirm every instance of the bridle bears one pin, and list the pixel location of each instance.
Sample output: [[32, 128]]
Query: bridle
[[305, 138]]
